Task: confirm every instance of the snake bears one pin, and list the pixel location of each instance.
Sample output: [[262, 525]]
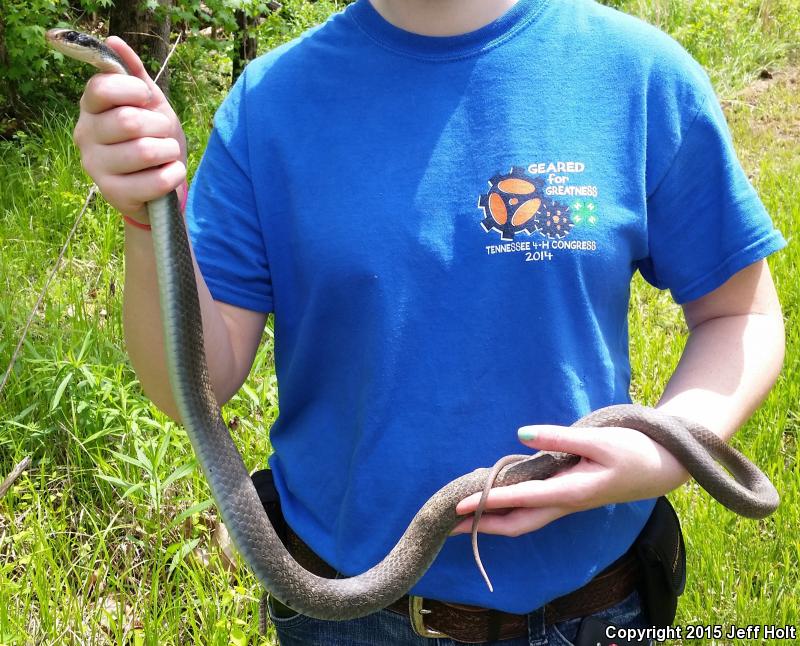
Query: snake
[[743, 488]]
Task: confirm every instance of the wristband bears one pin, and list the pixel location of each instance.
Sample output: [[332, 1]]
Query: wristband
[[136, 223], [147, 227], [185, 196]]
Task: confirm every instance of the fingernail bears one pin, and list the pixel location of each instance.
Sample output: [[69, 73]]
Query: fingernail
[[527, 433]]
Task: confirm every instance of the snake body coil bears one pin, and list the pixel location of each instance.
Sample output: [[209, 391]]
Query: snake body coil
[[751, 494]]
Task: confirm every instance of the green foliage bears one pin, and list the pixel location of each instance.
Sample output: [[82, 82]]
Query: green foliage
[[742, 571], [734, 41], [32, 75], [107, 536], [24, 73], [195, 15], [26, 23]]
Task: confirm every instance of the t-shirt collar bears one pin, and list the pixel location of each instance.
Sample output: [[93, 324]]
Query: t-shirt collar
[[443, 47]]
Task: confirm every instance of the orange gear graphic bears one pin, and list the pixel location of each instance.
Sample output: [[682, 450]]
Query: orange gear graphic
[[512, 203]]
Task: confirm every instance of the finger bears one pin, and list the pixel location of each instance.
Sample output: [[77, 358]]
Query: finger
[[470, 504], [523, 494], [134, 156], [463, 527], [519, 521], [146, 185], [530, 493], [105, 91], [564, 439], [573, 489], [134, 63], [124, 124]]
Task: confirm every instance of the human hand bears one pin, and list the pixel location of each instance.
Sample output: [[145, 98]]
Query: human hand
[[617, 465], [131, 142]]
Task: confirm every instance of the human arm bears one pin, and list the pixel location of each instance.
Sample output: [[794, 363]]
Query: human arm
[[231, 334], [732, 357], [132, 145]]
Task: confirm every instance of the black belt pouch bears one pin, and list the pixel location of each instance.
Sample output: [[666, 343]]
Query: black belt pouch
[[662, 554], [268, 494]]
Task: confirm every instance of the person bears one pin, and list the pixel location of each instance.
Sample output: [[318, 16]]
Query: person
[[442, 204]]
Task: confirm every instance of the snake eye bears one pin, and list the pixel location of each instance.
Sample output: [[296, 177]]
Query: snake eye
[[71, 36]]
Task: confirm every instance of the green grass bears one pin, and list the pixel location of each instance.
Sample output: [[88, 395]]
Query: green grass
[[107, 537], [734, 41], [108, 513], [742, 571]]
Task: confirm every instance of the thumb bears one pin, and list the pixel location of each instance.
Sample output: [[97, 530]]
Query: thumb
[[563, 439], [133, 62]]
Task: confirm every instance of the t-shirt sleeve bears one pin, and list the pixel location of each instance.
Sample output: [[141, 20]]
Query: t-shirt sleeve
[[222, 213], [705, 221]]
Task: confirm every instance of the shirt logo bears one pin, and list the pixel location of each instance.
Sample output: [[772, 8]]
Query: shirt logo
[[543, 202]]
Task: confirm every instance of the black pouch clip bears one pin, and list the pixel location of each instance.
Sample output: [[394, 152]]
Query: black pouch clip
[[662, 554], [268, 494]]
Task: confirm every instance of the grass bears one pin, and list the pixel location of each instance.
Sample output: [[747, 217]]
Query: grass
[[108, 537], [96, 542], [744, 572], [734, 41]]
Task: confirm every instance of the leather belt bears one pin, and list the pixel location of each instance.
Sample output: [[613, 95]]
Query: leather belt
[[473, 625]]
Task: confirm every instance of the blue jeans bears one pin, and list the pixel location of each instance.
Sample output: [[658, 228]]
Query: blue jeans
[[387, 628]]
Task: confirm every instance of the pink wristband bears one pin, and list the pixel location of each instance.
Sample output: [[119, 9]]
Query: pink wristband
[[136, 223], [147, 227], [185, 196]]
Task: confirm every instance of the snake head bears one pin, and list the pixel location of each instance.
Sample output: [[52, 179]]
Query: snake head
[[86, 48]]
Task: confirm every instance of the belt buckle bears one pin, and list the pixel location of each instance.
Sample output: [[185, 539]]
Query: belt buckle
[[417, 613]]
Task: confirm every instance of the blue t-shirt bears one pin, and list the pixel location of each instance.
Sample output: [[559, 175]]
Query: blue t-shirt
[[445, 229]]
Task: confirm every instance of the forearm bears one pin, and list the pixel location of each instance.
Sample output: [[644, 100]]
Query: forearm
[[143, 331], [133, 147], [727, 368], [732, 358]]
